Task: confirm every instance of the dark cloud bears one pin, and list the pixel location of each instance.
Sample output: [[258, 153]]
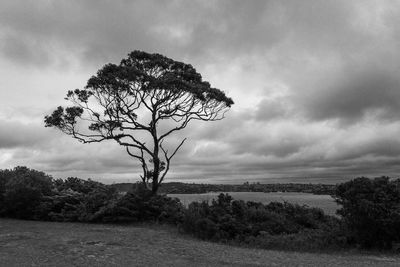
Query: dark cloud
[[94, 31], [17, 135], [353, 93], [24, 51], [103, 31], [315, 83]]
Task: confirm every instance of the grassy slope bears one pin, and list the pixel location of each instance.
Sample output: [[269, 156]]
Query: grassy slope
[[29, 243]]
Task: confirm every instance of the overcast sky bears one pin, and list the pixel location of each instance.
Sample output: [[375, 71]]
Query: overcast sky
[[316, 84]]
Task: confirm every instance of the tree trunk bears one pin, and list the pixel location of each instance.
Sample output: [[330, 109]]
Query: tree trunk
[[156, 175], [154, 188], [156, 160]]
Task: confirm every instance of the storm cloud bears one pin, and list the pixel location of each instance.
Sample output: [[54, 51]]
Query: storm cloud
[[316, 84]]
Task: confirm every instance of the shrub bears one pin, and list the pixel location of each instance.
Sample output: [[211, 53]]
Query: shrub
[[76, 200], [227, 219], [4, 178], [371, 210], [94, 200], [141, 206], [22, 191], [65, 206], [80, 185], [205, 228], [29, 194]]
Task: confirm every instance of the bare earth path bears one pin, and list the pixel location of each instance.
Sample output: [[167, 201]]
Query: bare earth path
[[29, 243]]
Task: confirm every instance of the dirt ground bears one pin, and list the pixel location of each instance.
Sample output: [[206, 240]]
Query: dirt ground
[[30, 243]]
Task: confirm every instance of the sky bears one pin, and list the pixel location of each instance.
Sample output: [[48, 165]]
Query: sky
[[316, 85]]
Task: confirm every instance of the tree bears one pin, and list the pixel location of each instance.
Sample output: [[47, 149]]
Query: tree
[[371, 210], [23, 191], [138, 104]]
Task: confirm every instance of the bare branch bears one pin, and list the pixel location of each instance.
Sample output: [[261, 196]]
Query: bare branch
[[168, 158], [114, 103]]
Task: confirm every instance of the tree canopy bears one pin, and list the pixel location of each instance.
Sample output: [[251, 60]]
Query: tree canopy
[[139, 103], [371, 210]]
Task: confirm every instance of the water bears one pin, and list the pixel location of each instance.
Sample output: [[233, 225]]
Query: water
[[325, 202]]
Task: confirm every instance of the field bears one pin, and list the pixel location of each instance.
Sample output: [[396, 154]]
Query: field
[[31, 243], [324, 202]]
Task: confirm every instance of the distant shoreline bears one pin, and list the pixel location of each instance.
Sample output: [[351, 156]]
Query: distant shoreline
[[192, 188], [239, 181]]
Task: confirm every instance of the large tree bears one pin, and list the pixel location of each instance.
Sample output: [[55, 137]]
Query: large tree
[[138, 104]]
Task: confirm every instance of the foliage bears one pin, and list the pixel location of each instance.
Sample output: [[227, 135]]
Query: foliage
[[370, 212], [371, 209], [139, 103], [22, 189], [78, 185], [65, 206], [227, 219], [191, 188], [29, 194], [5, 176], [141, 205], [76, 200]]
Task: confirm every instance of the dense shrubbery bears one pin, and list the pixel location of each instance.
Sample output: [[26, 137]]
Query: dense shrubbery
[[370, 213], [275, 225], [22, 191], [29, 194], [75, 200], [371, 209], [141, 205]]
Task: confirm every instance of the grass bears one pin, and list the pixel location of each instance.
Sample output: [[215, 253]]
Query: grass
[[32, 243]]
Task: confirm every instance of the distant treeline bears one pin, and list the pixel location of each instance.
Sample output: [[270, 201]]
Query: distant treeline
[[187, 188]]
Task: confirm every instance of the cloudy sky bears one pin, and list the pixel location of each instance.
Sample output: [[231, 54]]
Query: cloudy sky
[[316, 84]]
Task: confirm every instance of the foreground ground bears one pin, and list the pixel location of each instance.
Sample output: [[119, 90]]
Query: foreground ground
[[29, 243]]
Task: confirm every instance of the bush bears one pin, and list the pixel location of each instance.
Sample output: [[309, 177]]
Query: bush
[[205, 228], [227, 219], [4, 178], [140, 206], [29, 194], [64, 206], [76, 200], [22, 191], [80, 185], [371, 210]]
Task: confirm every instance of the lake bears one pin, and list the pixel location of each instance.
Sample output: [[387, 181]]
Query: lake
[[325, 202]]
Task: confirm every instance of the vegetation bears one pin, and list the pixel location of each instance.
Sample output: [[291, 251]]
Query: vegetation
[[185, 188], [140, 206], [22, 191], [275, 225], [138, 104], [29, 194], [370, 214], [371, 210], [38, 243]]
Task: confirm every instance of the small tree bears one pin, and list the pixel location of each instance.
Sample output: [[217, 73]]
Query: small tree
[[371, 210], [138, 104], [23, 191]]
